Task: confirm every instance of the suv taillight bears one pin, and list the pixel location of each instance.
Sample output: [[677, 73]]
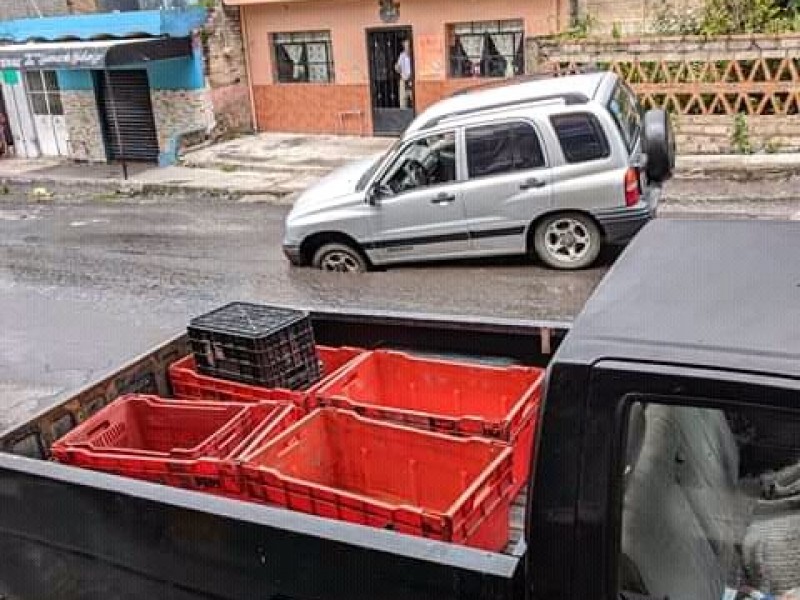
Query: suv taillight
[[632, 191]]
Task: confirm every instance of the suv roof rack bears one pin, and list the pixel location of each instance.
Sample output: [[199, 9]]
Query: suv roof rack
[[568, 99], [496, 83], [489, 110]]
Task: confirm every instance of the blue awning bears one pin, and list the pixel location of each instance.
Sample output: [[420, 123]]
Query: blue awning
[[118, 25]]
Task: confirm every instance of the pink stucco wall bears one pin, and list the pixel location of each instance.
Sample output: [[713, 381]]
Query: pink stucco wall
[[347, 21]]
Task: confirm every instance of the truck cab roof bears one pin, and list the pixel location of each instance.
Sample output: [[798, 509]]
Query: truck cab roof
[[711, 294]]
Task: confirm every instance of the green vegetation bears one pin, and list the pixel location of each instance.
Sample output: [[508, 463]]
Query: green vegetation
[[726, 17], [773, 146], [581, 28], [740, 137]]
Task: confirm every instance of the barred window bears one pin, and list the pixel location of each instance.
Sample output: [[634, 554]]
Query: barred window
[[44, 92], [303, 57], [487, 49]]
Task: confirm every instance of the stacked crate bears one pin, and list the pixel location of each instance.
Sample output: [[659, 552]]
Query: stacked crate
[[418, 445]]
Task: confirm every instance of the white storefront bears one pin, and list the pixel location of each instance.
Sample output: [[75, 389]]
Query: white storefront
[[20, 115]]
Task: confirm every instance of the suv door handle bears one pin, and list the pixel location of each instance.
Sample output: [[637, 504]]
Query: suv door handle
[[533, 182], [443, 198]]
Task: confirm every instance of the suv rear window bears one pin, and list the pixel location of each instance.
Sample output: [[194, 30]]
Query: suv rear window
[[581, 137], [624, 107], [497, 149]]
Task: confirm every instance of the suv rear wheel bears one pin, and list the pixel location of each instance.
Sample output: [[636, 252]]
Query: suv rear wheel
[[339, 258], [567, 241]]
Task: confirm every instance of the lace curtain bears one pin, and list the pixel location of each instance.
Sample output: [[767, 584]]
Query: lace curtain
[[504, 43], [295, 54]]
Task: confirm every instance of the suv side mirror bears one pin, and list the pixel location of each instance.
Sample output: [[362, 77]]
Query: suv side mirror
[[376, 192]]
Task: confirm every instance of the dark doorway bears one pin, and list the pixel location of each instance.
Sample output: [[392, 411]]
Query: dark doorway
[[384, 47], [126, 114], [5, 128]]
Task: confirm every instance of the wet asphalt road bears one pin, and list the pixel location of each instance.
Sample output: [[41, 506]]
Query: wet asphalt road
[[88, 282]]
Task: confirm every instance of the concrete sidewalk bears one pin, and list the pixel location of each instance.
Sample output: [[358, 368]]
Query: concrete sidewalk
[[275, 167]]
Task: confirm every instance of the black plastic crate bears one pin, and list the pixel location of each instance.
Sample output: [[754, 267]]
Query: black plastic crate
[[253, 343]]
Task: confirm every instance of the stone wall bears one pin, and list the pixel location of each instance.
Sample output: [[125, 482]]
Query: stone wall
[[179, 112], [232, 111], [82, 6], [226, 70], [703, 82], [21, 9], [629, 17], [83, 124], [712, 134]]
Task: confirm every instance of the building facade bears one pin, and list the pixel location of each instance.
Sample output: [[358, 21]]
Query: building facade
[[127, 85], [330, 66], [21, 9]]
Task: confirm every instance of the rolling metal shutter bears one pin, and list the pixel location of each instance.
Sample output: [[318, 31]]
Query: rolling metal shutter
[[129, 96]]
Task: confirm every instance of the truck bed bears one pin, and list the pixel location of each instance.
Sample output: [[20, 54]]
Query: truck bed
[[113, 537]]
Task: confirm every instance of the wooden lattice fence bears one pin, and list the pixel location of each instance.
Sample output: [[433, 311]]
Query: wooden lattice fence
[[701, 81]]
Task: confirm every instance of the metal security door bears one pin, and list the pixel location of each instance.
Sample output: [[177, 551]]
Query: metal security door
[[129, 128], [384, 47]]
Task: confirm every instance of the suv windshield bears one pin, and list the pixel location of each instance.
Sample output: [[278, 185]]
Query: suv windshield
[[362, 183], [624, 107]]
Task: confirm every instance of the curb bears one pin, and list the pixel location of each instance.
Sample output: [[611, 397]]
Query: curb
[[738, 176], [140, 188], [281, 197], [748, 168]]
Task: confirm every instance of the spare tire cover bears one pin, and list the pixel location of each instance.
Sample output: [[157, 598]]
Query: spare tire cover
[[658, 143]]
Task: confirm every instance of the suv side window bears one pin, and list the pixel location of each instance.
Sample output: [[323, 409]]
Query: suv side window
[[581, 137], [424, 162], [502, 148], [624, 107]]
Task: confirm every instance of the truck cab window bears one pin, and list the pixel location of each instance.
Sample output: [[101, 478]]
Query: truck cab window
[[711, 504], [424, 162]]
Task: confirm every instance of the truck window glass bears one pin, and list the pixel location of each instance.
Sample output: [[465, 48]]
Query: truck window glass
[[624, 108], [423, 163], [711, 504], [503, 148], [581, 137]]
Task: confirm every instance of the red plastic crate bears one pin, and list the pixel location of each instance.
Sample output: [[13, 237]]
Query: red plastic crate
[[189, 384], [445, 396], [336, 464], [185, 444]]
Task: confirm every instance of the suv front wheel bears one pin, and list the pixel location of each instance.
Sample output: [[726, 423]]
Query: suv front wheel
[[567, 241], [339, 258]]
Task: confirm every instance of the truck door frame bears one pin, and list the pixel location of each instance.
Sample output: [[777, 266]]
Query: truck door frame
[[613, 386]]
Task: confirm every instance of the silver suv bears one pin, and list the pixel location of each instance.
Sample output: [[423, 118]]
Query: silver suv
[[555, 168]]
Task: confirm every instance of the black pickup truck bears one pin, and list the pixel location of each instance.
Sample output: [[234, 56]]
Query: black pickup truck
[[666, 462]]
